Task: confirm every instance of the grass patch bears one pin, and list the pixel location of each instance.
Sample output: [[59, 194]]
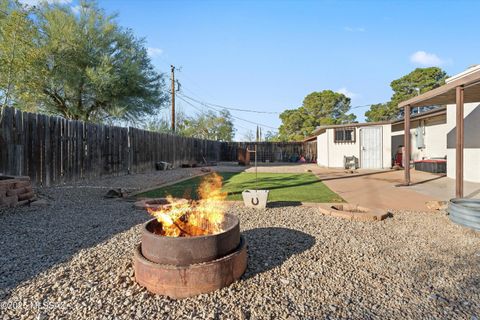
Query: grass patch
[[303, 187]]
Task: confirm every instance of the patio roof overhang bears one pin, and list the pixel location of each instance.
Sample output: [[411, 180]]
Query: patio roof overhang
[[461, 89], [446, 94], [441, 111]]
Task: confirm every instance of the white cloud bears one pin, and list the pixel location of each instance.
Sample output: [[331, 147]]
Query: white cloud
[[37, 2], [154, 52], [426, 59], [347, 92], [354, 29]]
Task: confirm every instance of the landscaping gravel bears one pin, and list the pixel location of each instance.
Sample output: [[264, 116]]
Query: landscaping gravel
[[73, 259]]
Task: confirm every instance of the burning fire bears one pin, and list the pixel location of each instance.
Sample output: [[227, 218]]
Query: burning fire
[[182, 218]]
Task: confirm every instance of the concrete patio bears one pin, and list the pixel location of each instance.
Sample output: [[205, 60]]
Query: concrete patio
[[385, 189]]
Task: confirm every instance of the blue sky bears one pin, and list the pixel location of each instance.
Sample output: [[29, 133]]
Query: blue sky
[[268, 55]]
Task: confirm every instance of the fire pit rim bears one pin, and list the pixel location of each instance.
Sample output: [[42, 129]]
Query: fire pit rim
[[190, 249], [238, 249], [232, 226]]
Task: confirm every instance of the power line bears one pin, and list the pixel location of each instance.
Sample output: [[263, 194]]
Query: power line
[[180, 96], [187, 102], [196, 95], [254, 111], [201, 111], [364, 106], [216, 109], [231, 108]]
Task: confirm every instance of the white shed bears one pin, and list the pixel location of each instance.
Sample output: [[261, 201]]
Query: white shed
[[369, 142]]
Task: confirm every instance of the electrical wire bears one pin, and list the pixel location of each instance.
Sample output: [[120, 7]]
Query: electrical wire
[[231, 108], [250, 110], [182, 96], [201, 111]]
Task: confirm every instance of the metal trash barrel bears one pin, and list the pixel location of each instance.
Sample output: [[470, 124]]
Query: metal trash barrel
[[465, 212]]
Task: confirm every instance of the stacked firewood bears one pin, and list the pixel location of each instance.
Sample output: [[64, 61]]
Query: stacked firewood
[[15, 191]]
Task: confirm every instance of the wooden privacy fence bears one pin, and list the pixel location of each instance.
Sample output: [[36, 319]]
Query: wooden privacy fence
[[273, 151], [52, 150]]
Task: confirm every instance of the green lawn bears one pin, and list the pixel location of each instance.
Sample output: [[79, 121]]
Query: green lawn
[[303, 187]]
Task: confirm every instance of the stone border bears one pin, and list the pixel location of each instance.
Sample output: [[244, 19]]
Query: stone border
[[353, 212]]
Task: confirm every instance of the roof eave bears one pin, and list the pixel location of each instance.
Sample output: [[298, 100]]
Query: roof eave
[[446, 94]]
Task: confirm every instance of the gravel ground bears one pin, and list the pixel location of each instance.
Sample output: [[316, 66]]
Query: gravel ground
[[73, 260]]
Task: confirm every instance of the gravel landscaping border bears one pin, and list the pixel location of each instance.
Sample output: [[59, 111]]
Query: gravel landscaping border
[[73, 260]]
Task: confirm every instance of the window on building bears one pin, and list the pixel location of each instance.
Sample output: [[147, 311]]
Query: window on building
[[345, 135]]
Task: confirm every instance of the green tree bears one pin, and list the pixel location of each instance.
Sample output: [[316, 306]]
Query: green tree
[[159, 124], [271, 136], [209, 125], [381, 112], [318, 108], [86, 66], [249, 136], [18, 53], [416, 82]]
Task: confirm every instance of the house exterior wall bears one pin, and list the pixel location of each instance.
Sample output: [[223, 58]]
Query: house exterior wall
[[322, 149], [471, 158], [435, 142], [330, 154], [387, 146]]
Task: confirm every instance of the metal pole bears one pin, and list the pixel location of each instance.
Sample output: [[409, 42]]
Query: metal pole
[[173, 97], [459, 143], [256, 169], [173, 115], [406, 136]]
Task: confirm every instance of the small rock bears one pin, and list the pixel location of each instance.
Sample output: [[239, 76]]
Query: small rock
[[437, 205], [116, 193], [41, 316], [438, 298], [333, 308], [41, 203]]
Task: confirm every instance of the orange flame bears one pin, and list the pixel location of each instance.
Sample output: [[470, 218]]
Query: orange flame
[[180, 218]]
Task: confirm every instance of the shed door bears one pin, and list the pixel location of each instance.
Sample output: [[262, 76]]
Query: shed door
[[371, 147]]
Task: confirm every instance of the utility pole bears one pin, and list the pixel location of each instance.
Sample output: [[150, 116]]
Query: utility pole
[[173, 98]]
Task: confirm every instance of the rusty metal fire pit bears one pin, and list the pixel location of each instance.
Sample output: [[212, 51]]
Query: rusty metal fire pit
[[181, 267], [184, 251]]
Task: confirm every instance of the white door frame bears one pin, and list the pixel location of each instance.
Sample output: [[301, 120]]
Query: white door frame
[[361, 146]]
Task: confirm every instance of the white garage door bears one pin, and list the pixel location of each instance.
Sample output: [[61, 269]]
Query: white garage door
[[371, 147]]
